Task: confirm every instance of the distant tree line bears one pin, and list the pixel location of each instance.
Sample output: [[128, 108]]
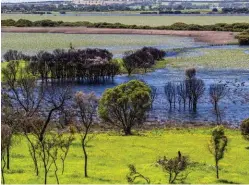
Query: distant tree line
[[171, 12], [244, 10], [235, 27], [140, 6]]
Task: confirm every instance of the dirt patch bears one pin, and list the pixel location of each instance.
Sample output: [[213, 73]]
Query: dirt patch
[[211, 37]]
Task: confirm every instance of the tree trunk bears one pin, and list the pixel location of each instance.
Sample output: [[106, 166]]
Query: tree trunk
[[85, 156], [217, 169], [194, 106], [45, 177], [8, 157], [127, 131]]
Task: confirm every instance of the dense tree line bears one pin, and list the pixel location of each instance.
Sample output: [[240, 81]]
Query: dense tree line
[[89, 65], [235, 27]]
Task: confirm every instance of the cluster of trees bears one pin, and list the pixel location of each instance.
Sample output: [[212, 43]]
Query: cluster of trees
[[235, 27], [142, 59], [190, 91], [35, 110], [243, 37], [89, 65]]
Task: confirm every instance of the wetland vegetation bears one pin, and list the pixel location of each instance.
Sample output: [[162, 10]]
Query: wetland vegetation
[[124, 108]]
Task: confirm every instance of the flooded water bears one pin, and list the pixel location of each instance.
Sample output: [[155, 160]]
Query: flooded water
[[233, 108]]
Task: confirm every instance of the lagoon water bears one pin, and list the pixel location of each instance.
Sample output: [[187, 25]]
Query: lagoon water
[[233, 107]]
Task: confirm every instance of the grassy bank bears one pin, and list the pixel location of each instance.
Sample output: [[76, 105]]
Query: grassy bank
[[110, 153], [212, 58], [137, 20]]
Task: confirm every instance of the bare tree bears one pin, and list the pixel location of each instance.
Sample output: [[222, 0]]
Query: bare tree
[[190, 73], [182, 93], [196, 89], [6, 135], [216, 93], [65, 143], [48, 150], [33, 102], [86, 105], [170, 92], [10, 118]]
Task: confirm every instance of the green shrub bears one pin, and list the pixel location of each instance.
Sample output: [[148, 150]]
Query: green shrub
[[244, 127], [8, 22], [24, 23]]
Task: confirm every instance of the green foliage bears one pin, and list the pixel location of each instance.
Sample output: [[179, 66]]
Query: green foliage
[[236, 27], [217, 146], [175, 167], [244, 127], [243, 37], [24, 23], [125, 105], [134, 20], [134, 174], [8, 22]]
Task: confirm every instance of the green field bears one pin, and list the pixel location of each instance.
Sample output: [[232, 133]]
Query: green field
[[118, 43], [110, 153], [138, 20], [213, 58]]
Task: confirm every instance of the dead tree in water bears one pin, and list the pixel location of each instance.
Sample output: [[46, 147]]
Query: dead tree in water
[[196, 88], [216, 93], [182, 93], [170, 92]]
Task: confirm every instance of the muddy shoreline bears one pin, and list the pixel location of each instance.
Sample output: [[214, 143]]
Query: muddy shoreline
[[210, 37]]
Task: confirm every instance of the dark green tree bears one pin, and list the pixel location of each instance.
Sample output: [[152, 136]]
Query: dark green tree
[[244, 127], [217, 146], [125, 105]]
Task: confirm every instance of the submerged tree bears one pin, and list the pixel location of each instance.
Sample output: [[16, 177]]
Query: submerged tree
[[125, 105], [196, 89], [86, 105], [217, 146], [175, 167], [190, 73], [170, 92], [217, 92]]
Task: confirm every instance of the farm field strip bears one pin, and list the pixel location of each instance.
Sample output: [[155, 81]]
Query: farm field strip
[[138, 20]]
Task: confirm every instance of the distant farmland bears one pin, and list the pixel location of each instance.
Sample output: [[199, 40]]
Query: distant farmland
[[138, 20]]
